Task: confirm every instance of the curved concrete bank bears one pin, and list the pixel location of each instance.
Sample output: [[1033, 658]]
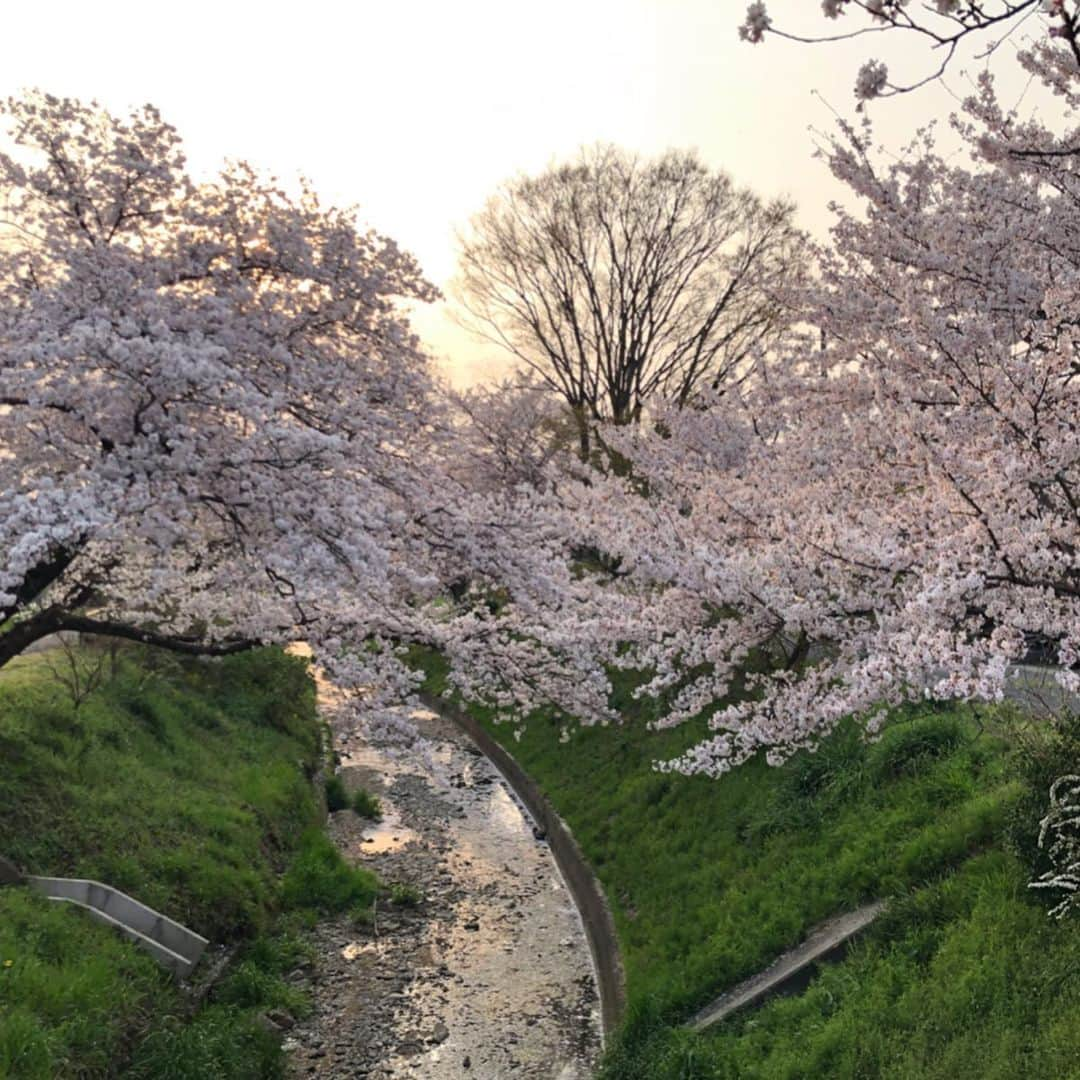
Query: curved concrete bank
[[581, 881], [487, 970]]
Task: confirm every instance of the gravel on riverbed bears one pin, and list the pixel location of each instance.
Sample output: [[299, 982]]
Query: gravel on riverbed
[[489, 974]]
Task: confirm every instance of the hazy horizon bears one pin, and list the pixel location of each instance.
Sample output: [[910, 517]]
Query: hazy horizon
[[417, 113]]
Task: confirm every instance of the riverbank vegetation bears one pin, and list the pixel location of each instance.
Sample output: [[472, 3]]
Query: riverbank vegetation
[[710, 880], [188, 785]]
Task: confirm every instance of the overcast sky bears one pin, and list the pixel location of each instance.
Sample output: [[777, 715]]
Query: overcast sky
[[415, 110]]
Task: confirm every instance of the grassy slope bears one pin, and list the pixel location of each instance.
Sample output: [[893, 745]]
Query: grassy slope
[[187, 785], [710, 880]]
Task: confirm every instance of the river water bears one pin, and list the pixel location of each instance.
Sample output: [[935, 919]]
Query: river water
[[489, 975]]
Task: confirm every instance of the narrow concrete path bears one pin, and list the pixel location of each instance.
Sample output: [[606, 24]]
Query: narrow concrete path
[[490, 975], [793, 970]]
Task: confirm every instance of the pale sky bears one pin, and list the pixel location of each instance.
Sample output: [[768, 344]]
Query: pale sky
[[416, 110]]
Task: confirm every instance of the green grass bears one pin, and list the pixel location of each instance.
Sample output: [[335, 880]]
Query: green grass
[[187, 785], [366, 805], [964, 979], [337, 797], [69, 990], [319, 880], [710, 880], [220, 1042]]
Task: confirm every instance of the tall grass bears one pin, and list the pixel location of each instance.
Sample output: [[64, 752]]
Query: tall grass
[[710, 880], [188, 785]]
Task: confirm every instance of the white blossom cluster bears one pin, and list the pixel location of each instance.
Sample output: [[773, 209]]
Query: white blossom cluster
[[1059, 838], [217, 430], [901, 494], [940, 24]]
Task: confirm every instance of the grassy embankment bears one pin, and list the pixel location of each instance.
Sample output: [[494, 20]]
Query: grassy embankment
[[711, 880], [187, 785]]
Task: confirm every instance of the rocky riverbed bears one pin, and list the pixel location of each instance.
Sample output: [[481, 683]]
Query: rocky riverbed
[[488, 975]]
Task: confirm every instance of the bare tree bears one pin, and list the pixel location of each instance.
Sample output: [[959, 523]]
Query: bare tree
[[616, 278], [79, 670]]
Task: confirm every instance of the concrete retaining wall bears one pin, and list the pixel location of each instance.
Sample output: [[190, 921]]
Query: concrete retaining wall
[[585, 889], [792, 972], [1036, 689], [51, 641]]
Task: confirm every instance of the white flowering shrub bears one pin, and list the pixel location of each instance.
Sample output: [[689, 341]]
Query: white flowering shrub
[[1059, 838]]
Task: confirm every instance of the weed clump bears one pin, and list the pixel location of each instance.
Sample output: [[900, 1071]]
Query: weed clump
[[403, 894], [319, 879], [336, 796], [367, 805]]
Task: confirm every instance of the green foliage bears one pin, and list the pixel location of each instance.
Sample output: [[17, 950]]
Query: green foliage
[[1046, 752], [186, 784], [403, 894], [337, 798], [319, 878], [71, 991], [711, 880], [367, 805], [964, 978], [911, 746], [222, 1042]]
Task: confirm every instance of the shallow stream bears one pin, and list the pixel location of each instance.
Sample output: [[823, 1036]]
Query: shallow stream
[[489, 975]]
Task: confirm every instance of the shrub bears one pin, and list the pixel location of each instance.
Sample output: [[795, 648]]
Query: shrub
[[336, 796], [907, 748], [1044, 754], [1059, 838], [404, 895], [367, 805], [320, 880]]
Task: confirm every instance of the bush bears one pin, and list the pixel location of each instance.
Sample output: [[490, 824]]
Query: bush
[[1044, 754], [404, 895], [336, 796], [1059, 839], [909, 747], [221, 1042], [320, 880], [367, 805]]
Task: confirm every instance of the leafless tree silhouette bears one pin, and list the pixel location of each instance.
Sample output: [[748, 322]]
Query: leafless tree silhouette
[[616, 278]]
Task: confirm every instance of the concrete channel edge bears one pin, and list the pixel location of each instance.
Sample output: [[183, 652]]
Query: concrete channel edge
[[580, 880]]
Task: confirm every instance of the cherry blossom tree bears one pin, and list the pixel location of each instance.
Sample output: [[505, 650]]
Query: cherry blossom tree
[[217, 430], [943, 26], [894, 512], [509, 433], [190, 374]]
